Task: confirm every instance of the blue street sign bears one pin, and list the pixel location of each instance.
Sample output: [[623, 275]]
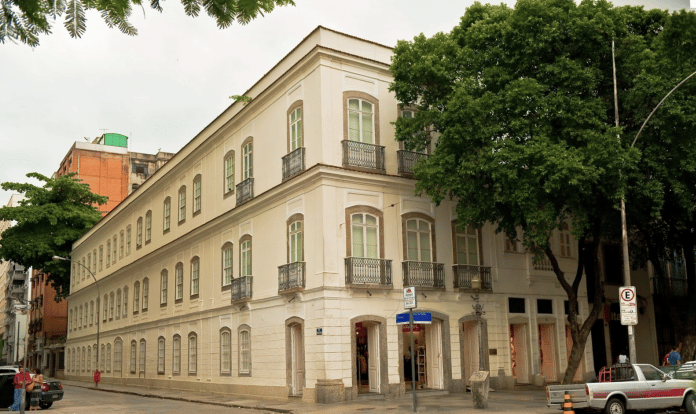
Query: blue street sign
[[418, 317]]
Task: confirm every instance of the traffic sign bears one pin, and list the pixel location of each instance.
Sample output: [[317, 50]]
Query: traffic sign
[[628, 305], [418, 317], [410, 301]]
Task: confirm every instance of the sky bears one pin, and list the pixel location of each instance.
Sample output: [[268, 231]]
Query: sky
[[163, 86]]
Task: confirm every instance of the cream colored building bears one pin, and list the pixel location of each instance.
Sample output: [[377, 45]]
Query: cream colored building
[[268, 256]]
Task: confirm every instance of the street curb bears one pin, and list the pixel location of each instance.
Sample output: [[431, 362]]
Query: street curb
[[221, 404]]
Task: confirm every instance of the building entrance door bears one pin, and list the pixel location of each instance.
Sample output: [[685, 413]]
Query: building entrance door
[[471, 353], [519, 352], [433, 345], [297, 359], [367, 356], [547, 352]]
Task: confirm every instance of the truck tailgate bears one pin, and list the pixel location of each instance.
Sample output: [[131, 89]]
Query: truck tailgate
[[555, 395]]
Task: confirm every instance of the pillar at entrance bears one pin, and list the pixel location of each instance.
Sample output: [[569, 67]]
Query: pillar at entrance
[[480, 381]]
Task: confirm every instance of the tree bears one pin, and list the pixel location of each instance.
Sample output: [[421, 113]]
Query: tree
[[521, 103], [48, 221], [25, 20]]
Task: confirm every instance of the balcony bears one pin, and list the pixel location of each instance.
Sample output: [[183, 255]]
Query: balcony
[[463, 274], [407, 161], [362, 156], [291, 277], [668, 287], [363, 271], [241, 289], [293, 163], [543, 264], [245, 191], [424, 274]]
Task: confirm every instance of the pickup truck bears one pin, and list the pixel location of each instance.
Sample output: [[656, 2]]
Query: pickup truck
[[628, 387]]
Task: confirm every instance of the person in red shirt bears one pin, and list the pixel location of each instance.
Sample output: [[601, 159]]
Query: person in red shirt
[[18, 388]]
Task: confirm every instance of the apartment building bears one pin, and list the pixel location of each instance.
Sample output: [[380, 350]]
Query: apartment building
[[268, 256], [15, 290], [48, 324]]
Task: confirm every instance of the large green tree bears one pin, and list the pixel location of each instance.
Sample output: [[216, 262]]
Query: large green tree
[[521, 103], [25, 20], [48, 221]]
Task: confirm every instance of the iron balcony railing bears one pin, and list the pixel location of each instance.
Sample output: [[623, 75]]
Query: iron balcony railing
[[362, 155], [463, 274], [408, 160], [366, 271], [664, 286], [241, 288], [291, 276], [423, 274], [293, 163], [245, 190]]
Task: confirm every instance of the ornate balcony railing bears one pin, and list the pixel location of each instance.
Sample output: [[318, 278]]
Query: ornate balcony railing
[[668, 287], [293, 163], [543, 264], [366, 271], [463, 274], [245, 190], [424, 274], [408, 160], [362, 155], [241, 288], [291, 276]]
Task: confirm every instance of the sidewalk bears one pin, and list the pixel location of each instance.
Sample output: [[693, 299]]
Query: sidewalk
[[521, 400]]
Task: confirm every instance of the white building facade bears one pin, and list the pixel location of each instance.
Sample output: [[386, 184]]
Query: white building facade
[[268, 256]]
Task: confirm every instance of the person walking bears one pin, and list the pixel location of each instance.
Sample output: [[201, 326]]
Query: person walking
[[19, 377], [36, 392], [674, 357]]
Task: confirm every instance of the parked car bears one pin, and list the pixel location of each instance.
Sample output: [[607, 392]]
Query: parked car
[[52, 389], [628, 387]]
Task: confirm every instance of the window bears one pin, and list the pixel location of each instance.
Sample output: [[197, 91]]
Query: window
[[102, 360], [118, 355], [133, 356], [163, 287], [113, 258], [197, 194], [70, 320], [136, 297], [91, 313], [179, 281], [128, 240], [125, 301], [118, 303], [139, 233], [94, 255], [545, 306], [89, 359], [79, 320], [182, 204], [360, 121], [364, 233], [192, 353], [176, 355], [244, 350], [89, 261], [146, 288], [122, 244], [167, 213], [195, 270], [247, 161], [84, 359], [511, 245], [295, 122], [229, 173], [295, 253], [106, 304], [83, 269], [516, 305], [101, 258], [142, 356], [565, 241], [466, 242], [148, 226], [245, 257], [111, 306], [227, 264], [160, 355], [108, 357], [418, 240], [225, 351]]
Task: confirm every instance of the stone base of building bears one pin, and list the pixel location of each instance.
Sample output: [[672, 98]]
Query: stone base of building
[[329, 391]]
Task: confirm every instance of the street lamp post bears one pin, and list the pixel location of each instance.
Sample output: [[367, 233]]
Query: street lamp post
[[96, 351], [479, 312]]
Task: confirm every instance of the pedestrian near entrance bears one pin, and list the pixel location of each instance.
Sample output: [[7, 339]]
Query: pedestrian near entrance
[[36, 393], [17, 380], [674, 357]]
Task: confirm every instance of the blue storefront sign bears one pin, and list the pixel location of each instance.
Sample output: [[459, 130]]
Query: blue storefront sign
[[418, 317]]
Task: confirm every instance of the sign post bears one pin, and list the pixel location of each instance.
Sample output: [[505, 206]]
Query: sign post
[[410, 302], [629, 316]]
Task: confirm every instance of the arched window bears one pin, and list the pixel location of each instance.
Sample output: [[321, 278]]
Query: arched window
[[148, 226], [565, 241], [197, 194], [139, 233], [111, 306], [142, 357], [195, 273], [163, 287], [244, 350], [89, 261], [118, 355], [122, 244], [227, 265], [245, 256], [295, 129], [364, 235], [192, 353], [94, 262], [125, 301], [146, 291], [136, 297], [228, 179], [418, 240], [128, 240], [118, 303], [108, 357], [106, 307], [182, 204], [179, 282], [225, 351], [360, 118], [70, 320], [295, 239], [133, 356], [83, 364], [79, 320], [160, 355], [113, 257], [102, 360], [167, 213], [101, 257], [108, 253], [91, 313], [176, 355], [466, 241], [247, 159], [89, 359]]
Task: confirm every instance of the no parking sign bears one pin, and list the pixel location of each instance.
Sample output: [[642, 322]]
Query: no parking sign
[[628, 305]]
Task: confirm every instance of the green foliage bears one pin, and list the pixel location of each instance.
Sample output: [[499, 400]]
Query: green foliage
[[241, 98], [48, 221], [25, 20]]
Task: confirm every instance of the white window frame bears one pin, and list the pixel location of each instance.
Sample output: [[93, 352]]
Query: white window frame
[[245, 352], [295, 120], [245, 258], [179, 282], [361, 112], [295, 246], [192, 353], [195, 276], [248, 161], [227, 263], [420, 234], [365, 227]]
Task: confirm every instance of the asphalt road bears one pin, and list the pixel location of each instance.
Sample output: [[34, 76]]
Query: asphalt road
[[87, 401]]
